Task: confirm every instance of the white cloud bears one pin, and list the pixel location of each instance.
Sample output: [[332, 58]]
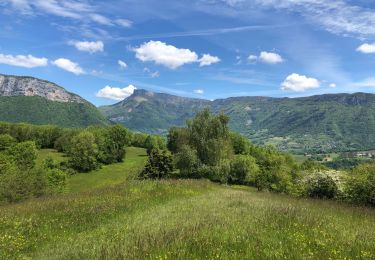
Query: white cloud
[[252, 58], [336, 16], [270, 57], [155, 74], [68, 65], [266, 57], [367, 48], [199, 91], [86, 46], [332, 85], [207, 60], [299, 83], [28, 61], [116, 93], [170, 56], [101, 19], [73, 9], [124, 23], [166, 55], [122, 64]]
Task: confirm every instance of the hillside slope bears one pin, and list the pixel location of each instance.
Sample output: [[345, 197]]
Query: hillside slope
[[31, 100], [322, 123]]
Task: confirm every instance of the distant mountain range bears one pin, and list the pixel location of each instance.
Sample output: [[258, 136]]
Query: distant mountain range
[[31, 100], [322, 123]]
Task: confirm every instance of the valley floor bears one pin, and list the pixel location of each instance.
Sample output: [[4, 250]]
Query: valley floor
[[109, 214]]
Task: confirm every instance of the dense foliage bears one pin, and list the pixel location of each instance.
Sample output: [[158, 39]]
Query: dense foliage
[[39, 110]]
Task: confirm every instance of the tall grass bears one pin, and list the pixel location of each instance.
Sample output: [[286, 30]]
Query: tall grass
[[182, 219]]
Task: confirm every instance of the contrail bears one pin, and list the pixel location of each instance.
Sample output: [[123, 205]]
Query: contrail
[[202, 32]]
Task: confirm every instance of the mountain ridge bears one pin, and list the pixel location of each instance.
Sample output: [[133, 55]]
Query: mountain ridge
[[36, 101], [327, 122]]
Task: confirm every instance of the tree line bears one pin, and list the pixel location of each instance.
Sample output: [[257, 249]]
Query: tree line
[[207, 149], [86, 150]]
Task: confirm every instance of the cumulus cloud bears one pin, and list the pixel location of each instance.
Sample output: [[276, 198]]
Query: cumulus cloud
[[69, 66], [270, 57], [122, 64], [27, 61], [332, 85], [166, 55], [266, 57], [171, 56], [86, 46], [114, 93], [299, 83], [367, 48], [207, 60], [199, 91]]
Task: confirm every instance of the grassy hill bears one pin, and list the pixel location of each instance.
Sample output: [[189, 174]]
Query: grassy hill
[[109, 214], [39, 110], [323, 123]]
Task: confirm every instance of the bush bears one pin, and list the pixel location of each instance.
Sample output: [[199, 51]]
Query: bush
[[159, 165], [360, 186], [187, 162], [83, 152], [56, 180], [23, 154], [322, 186], [6, 141], [243, 169]]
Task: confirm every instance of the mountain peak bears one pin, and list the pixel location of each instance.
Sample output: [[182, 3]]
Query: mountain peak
[[29, 86]]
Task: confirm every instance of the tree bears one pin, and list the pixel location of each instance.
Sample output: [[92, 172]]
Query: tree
[[6, 141], [360, 186], [83, 152], [187, 162], [177, 138], [241, 145], [150, 144], [322, 186], [159, 165], [206, 133], [23, 154], [243, 169]]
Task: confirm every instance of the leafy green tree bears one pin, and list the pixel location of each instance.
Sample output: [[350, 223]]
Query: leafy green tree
[[243, 169], [322, 186], [159, 165], [23, 154], [150, 144], [6, 141], [241, 144], [187, 162], [83, 152], [206, 133], [360, 186], [177, 138]]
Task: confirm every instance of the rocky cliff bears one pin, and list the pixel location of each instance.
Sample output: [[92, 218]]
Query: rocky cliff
[[29, 86]]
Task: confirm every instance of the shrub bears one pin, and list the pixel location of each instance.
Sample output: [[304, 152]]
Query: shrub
[[159, 165], [241, 145], [187, 162], [360, 186], [56, 180], [6, 141], [83, 152], [23, 154], [321, 185], [243, 169]]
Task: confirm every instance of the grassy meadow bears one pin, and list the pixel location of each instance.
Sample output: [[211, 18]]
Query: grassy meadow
[[110, 214]]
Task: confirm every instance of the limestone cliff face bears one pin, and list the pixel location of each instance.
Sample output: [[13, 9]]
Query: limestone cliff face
[[29, 86]]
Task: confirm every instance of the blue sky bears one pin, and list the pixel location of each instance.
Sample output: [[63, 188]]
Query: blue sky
[[209, 49]]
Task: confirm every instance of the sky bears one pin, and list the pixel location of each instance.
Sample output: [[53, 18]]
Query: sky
[[104, 50]]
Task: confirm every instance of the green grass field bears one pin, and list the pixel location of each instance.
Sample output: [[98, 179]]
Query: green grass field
[[109, 214]]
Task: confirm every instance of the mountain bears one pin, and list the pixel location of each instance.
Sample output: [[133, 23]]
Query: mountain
[[36, 101], [322, 123]]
